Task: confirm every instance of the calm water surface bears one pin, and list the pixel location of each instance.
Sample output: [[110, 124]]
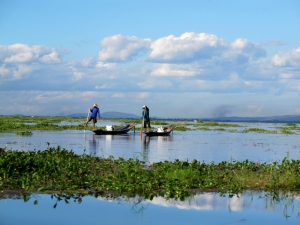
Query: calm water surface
[[204, 146], [204, 208]]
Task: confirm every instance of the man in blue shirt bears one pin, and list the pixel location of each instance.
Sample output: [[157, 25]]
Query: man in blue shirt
[[93, 115]]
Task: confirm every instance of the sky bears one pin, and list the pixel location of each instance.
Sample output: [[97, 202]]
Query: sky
[[183, 59]]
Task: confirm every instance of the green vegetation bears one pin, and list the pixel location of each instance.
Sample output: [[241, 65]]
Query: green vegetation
[[203, 128], [259, 130], [181, 128], [28, 123], [61, 170], [24, 133], [23, 124], [215, 123], [292, 125]]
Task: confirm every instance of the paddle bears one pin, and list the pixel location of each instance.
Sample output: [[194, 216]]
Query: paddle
[[87, 118], [141, 132]]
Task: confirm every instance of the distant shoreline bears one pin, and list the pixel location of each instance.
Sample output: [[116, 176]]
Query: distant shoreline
[[121, 115]]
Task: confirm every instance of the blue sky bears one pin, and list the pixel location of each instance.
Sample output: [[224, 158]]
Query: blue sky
[[195, 59]]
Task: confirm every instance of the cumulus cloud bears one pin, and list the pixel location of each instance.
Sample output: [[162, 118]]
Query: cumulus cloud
[[22, 53], [186, 48], [50, 58], [174, 70], [3, 70], [248, 49], [21, 70], [190, 62], [118, 48], [291, 58]]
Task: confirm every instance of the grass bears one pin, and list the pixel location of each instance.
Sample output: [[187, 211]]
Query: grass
[[61, 170]]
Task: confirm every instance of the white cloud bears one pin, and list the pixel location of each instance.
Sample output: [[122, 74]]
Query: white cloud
[[286, 75], [105, 86], [102, 65], [143, 95], [22, 53], [157, 84], [186, 48], [190, 63], [291, 58], [3, 71], [51, 58], [22, 70], [88, 62], [174, 70], [118, 95], [119, 48]]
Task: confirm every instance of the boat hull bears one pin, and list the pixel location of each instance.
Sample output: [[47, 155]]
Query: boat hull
[[157, 133], [167, 131], [114, 132]]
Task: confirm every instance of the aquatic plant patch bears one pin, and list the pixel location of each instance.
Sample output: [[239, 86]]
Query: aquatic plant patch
[[57, 169], [259, 130], [24, 133]]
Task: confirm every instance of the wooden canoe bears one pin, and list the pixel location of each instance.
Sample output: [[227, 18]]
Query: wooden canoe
[[121, 130], [167, 131]]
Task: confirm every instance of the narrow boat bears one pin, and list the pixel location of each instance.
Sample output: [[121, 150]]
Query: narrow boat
[[121, 130], [160, 131]]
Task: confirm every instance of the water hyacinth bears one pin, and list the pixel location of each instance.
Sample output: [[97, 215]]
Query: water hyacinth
[[57, 169]]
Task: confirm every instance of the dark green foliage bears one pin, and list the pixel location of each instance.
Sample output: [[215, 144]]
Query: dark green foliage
[[60, 170]]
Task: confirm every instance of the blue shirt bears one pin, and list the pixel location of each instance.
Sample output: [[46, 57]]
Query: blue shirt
[[145, 115], [94, 112]]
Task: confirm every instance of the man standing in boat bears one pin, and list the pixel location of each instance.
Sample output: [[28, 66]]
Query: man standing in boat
[[146, 117], [93, 115]]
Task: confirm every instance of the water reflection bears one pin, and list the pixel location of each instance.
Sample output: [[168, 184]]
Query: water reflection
[[206, 146], [145, 150], [91, 145], [209, 208]]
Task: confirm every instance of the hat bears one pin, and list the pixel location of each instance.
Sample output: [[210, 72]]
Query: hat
[[143, 106], [95, 105]]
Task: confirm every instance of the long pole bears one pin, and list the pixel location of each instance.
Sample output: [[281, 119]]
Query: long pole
[[141, 133], [87, 118], [88, 115]]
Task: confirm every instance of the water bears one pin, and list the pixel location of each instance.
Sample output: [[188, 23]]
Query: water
[[206, 146], [203, 208]]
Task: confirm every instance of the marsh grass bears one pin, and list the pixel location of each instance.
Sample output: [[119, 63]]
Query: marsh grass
[[60, 170]]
